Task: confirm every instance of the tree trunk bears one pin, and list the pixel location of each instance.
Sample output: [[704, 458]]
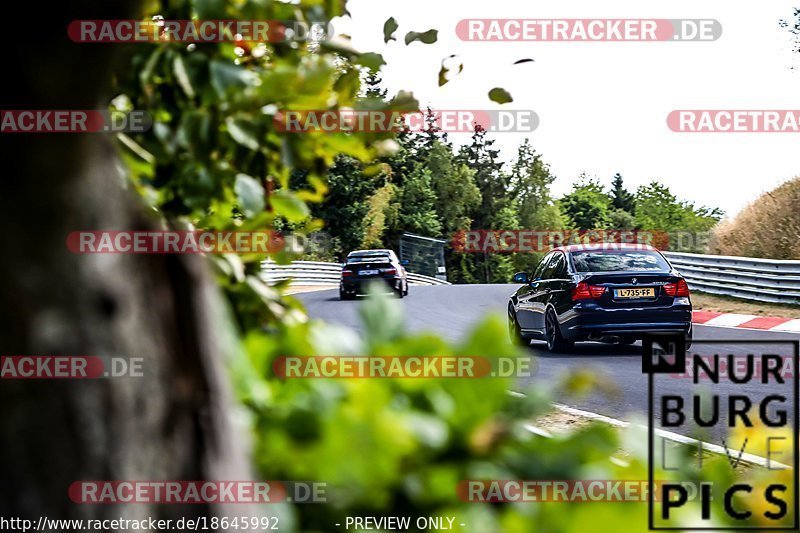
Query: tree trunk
[[173, 423]]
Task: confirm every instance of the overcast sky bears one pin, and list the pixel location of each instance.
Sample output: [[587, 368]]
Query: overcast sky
[[603, 105]]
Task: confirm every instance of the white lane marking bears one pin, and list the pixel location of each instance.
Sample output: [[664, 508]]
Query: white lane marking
[[538, 431], [729, 319], [593, 416], [791, 325], [675, 437]]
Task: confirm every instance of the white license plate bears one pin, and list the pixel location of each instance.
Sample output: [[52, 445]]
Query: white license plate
[[370, 272], [648, 292]]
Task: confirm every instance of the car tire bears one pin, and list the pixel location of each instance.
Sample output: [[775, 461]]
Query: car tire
[[689, 335], [399, 293], [555, 342], [514, 332], [345, 296], [406, 291]]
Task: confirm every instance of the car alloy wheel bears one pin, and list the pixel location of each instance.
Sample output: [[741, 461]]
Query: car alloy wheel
[[550, 332], [555, 342], [514, 332]]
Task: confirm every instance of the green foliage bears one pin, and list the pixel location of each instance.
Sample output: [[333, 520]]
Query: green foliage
[[372, 83], [214, 139], [389, 27], [417, 204], [621, 219], [345, 209], [620, 197], [453, 182], [492, 183], [652, 208], [429, 191], [425, 37], [587, 206], [382, 213], [530, 182], [658, 209], [500, 95], [250, 195], [444, 72], [414, 439]]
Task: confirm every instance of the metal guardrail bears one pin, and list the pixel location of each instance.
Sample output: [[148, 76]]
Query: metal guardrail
[[320, 273], [764, 280]]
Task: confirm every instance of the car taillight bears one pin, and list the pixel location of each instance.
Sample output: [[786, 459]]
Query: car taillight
[[677, 289], [584, 291], [389, 271], [347, 273], [683, 288], [597, 291]]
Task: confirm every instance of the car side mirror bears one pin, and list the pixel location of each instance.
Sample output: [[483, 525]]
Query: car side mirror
[[521, 277], [404, 262]]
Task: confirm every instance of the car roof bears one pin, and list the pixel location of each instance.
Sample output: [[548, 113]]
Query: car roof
[[605, 246]]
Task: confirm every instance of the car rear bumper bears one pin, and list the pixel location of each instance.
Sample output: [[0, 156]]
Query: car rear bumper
[[596, 322], [360, 285]]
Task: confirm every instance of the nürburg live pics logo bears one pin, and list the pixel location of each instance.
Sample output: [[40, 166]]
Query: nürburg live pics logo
[[723, 434]]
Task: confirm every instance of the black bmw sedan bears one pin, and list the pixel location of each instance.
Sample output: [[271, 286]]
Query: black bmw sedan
[[365, 267], [601, 292]]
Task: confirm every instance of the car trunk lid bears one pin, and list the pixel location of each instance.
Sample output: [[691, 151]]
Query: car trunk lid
[[370, 269], [631, 289]]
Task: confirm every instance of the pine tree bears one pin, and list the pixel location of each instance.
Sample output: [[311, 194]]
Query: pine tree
[[345, 206], [491, 181], [530, 182], [497, 209], [620, 197], [456, 193], [373, 86]]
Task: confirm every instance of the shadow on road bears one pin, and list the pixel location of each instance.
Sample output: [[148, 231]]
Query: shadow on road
[[588, 349]]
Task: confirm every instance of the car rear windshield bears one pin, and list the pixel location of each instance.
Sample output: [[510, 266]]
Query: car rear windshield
[[618, 261], [367, 258]]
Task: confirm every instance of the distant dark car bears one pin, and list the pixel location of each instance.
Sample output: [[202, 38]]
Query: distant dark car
[[364, 267], [609, 293]]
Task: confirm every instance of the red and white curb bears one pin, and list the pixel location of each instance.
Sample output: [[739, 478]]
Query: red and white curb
[[735, 320]]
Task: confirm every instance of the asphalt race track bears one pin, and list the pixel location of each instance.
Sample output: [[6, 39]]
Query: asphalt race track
[[450, 310]]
